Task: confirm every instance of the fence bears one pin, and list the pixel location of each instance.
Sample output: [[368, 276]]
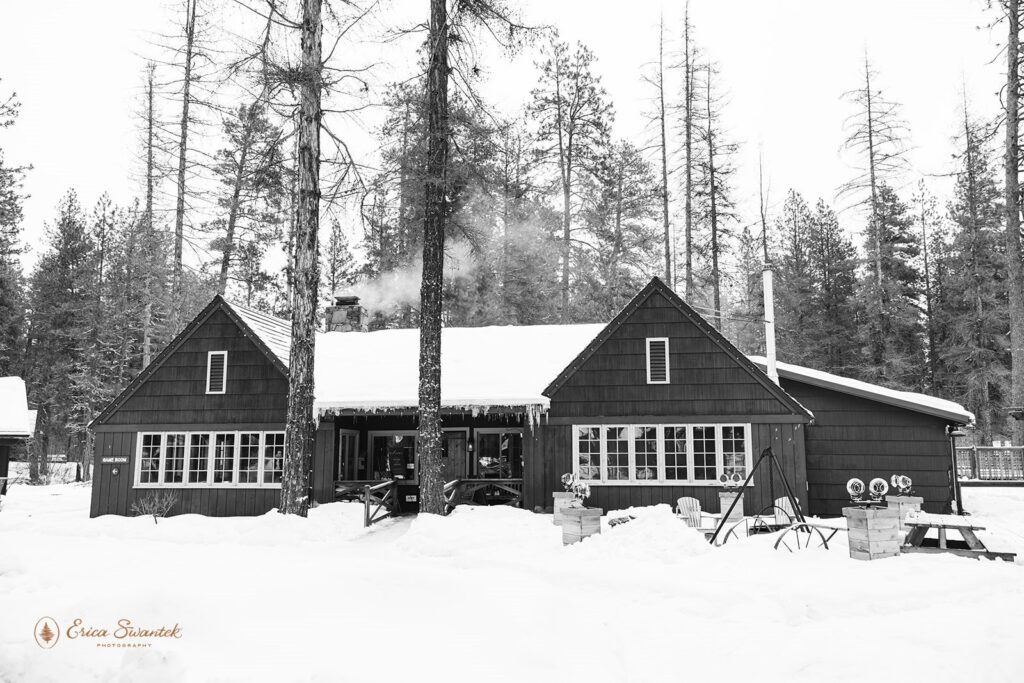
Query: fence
[[988, 463]]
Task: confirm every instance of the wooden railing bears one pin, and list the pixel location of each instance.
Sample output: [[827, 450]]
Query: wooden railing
[[990, 463], [378, 502], [483, 491]]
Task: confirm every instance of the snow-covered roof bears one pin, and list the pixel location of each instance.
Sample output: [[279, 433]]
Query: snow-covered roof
[[275, 333], [14, 413], [481, 367], [922, 403], [485, 367]]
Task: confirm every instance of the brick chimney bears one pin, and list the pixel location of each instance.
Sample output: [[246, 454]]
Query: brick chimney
[[346, 315]]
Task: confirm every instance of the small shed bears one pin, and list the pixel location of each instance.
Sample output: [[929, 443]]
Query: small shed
[[15, 423]]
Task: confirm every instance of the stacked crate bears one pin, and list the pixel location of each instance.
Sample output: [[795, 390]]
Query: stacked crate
[[578, 523], [874, 532]]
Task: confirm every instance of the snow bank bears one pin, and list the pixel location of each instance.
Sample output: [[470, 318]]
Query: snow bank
[[655, 535], [488, 594]]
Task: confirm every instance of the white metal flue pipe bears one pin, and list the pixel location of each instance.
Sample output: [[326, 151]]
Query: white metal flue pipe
[[769, 324]]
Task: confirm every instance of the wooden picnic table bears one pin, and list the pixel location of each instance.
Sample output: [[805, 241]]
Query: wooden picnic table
[[920, 522]]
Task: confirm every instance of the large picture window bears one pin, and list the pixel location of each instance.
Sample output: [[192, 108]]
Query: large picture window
[[205, 459], [660, 454]]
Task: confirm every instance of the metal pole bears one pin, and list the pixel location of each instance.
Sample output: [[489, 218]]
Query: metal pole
[[769, 324]]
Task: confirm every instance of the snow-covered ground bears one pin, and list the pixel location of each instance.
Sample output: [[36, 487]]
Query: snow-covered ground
[[490, 594]]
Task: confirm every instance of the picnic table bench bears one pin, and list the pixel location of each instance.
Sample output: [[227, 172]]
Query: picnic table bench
[[920, 522]]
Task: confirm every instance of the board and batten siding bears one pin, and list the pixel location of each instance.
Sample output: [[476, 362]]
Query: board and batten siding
[[256, 391], [114, 494], [548, 455], [709, 383], [857, 437]]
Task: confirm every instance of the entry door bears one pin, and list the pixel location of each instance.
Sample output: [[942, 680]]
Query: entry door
[[348, 452], [453, 454]]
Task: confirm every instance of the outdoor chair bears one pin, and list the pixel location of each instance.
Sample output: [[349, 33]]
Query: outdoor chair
[[784, 512], [689, 510]]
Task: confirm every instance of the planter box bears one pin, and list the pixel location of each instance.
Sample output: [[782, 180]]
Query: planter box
[[561, 500], [725, 499], [903, 505], [874, 532], [578, 523]]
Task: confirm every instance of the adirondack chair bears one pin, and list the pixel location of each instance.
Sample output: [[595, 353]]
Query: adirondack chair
[[784, 512], [689, 510]]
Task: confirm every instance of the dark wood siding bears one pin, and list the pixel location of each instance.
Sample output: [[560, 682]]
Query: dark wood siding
[[549, 456], [704, 379], [176, 392], [856, 437], [114, 494]]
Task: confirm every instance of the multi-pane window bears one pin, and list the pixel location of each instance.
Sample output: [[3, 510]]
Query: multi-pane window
[[645, 443], [588, 457], [149, 459], [249, 458], [667, 454], [174, 459], [198, 459], [675, 453], [187, 459], [734, 450], [704, 452], [617, 444], [223, 458], [273, 458]]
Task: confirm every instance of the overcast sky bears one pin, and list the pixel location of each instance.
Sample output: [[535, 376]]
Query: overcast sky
[[76, 67]]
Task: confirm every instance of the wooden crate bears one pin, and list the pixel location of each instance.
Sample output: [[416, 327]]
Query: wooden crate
[[725, 499], [560, 500], [874, 532], [578, 523], [903, 505]]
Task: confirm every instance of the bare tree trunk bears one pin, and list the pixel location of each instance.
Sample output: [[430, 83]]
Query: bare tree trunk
[[688, 135], [435, 215], [565, 173], [179, 211], [929, 314], [664, 155], [236, 198], [1011, 187], [148, 243], [300, 431], [878, 353], [716, 275]]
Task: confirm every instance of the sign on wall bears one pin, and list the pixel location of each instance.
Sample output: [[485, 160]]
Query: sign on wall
[[114, 460]]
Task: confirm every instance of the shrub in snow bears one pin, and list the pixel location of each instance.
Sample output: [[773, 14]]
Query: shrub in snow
[[580, 490], [156, 503]]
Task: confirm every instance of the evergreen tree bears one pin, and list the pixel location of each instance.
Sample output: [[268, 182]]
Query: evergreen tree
[[892, 331], [12, 302], [251, 172], [976, 300], [574, 116]]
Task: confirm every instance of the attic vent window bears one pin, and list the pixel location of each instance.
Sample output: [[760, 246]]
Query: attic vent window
[[216, 371], [657, 360]]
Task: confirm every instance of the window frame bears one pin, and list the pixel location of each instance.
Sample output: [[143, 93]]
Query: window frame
[[668, 363], [209, 448], [209, 368], [480, 431], [632, 430]]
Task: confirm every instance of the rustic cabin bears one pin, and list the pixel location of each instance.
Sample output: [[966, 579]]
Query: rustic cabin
[[16, 422], [651, 407]]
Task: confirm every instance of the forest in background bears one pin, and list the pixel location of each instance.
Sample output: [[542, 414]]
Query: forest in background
[[552, 219]]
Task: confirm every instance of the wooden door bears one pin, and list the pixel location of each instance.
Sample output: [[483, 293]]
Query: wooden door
[[453, 455]]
